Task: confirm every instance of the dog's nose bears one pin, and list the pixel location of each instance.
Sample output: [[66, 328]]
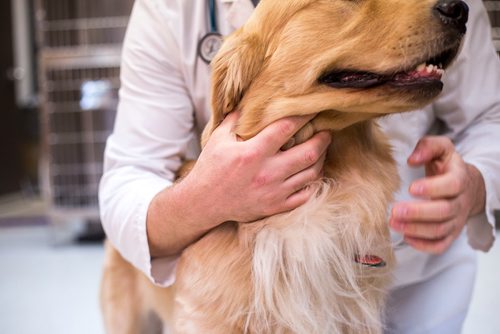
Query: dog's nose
[[454, 13]]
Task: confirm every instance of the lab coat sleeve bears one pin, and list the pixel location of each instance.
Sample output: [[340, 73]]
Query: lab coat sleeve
[[153, 128], [470, 109]]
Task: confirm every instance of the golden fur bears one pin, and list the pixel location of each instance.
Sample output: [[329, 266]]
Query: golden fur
[[295, 272]]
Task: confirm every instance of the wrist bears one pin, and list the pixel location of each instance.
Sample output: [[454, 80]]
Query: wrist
[[175, 220], [195, 206], [477, 190]]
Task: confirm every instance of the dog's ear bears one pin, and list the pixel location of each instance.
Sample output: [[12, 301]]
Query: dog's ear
[[242, 56], [235, 66]]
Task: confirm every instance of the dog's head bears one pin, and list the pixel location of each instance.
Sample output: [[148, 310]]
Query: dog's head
[[369, 57]]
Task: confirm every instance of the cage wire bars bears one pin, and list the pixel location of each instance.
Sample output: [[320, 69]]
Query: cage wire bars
[[79, 47]]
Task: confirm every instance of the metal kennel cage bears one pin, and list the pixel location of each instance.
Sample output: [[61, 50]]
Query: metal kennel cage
[[493, 8], [79, 47]]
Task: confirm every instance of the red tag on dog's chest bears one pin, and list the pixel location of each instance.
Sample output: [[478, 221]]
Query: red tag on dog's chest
[[370, 260]]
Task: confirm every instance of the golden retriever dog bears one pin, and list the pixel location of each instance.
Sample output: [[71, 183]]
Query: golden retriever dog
[[325, 266]]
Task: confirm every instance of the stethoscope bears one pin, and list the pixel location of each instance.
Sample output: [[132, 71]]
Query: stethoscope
[[211, 43]]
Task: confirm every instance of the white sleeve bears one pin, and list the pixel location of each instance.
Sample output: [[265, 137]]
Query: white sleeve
[[153, 128], [470, 109]]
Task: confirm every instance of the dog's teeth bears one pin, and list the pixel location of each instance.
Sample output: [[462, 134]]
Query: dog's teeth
[[421, 67], [429, 68]]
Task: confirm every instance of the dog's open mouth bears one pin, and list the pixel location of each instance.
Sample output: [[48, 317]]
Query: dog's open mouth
[[426, 72]]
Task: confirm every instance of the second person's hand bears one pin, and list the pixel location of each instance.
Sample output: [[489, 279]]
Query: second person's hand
[[451, 192]]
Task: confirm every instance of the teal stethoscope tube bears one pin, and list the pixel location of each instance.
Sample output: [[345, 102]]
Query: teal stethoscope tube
[[213, 16]]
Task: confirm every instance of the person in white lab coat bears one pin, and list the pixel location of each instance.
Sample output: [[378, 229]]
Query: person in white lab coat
[[164, 106]]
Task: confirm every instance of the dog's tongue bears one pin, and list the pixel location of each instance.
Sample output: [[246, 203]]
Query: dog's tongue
[[353, 79], [422, 73]]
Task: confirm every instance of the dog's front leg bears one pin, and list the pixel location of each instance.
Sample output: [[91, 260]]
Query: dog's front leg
[[213, 284]]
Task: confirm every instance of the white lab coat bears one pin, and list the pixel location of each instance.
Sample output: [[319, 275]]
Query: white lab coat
[[164, 106]]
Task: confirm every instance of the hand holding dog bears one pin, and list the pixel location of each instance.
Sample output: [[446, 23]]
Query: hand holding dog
[[451, 192], [255, 178], [236, 180]]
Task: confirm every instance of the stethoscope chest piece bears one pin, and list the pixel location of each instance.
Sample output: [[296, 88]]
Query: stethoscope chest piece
[[209, 45]]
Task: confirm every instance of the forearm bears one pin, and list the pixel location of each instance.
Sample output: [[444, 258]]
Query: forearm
[[175, 220]]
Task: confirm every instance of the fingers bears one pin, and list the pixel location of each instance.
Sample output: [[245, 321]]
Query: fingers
[[299, 167], [424, 229], [441, 186], [431, 148], [450, 182], [430, 237], [429, 226], [432, 211], [427, 219], [277, 134], [300, 180], [299, 198], [433, 224], [305, 155], [276, 181], [296, 189]]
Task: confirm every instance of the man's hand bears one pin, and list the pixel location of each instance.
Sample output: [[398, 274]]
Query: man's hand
[[253, 179], [451, 192], [235, 180]]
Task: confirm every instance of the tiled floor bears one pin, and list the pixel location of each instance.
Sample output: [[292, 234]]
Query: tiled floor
[[47, 289]]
